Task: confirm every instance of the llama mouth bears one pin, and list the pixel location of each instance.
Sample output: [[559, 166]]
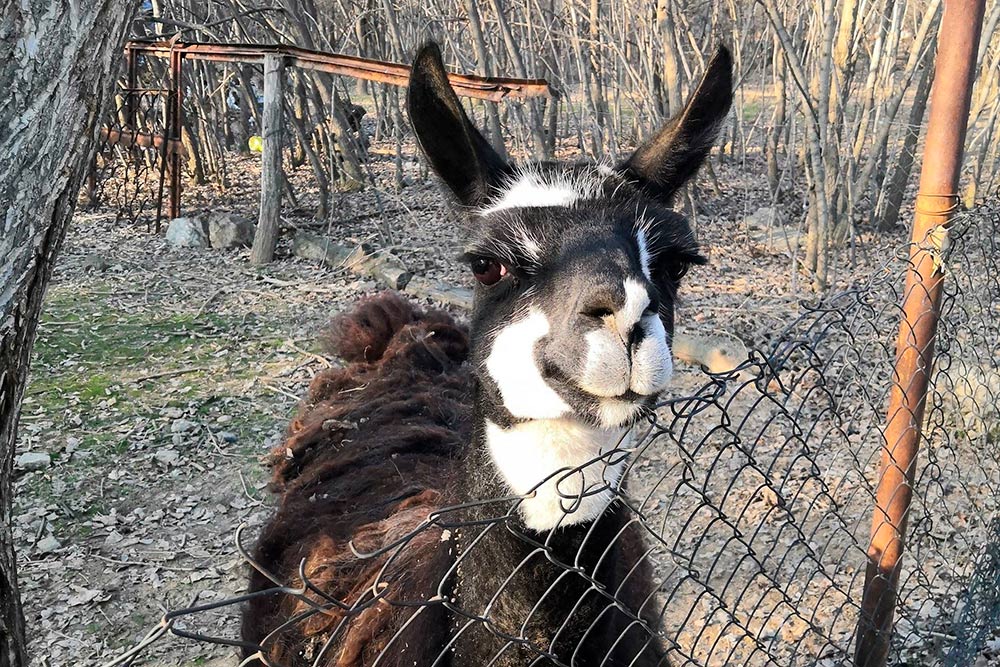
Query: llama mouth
[[555, 376], [631, 397], [618, 411]]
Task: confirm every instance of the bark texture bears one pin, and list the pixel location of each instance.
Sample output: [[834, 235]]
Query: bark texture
[[58, 63], [266, 237]]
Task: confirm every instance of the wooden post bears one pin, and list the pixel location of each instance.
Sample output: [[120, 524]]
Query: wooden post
[[266, 236], [937, 203]]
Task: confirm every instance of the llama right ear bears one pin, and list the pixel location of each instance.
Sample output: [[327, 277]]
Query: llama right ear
[[667, 161], [457, 151]]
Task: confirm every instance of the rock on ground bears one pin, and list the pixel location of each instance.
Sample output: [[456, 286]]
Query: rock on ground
[[227, 230], [187, 233], [33, 461], [47, 545]]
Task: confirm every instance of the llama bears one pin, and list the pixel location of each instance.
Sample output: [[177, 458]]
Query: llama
[[454, 497]]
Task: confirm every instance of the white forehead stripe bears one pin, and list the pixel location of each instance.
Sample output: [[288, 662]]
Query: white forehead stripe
[[530, 190], [532, 187], [644, 258], [512, 366]]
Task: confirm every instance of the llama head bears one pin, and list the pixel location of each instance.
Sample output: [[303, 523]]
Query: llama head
[[577, 265]]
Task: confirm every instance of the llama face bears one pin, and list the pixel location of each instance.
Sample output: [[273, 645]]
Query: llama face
[[578, 271], [578, 265], [577, 268]]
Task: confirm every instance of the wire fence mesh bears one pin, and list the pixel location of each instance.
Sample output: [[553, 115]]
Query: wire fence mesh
[[752, 499]]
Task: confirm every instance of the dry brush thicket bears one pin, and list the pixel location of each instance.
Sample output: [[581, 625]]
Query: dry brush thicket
[[831, 96]]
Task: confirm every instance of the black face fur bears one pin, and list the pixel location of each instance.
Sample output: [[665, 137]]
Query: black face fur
[[593, 251]]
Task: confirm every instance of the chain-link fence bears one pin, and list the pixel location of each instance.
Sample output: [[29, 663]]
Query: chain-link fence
[[743, 512]]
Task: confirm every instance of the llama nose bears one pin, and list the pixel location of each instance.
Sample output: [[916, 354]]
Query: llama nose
[[620, 309], [609, 314]]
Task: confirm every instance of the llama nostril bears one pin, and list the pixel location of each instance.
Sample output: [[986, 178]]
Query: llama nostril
[[633, 339]]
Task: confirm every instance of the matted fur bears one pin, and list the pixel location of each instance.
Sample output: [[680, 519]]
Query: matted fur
[[367, 459]]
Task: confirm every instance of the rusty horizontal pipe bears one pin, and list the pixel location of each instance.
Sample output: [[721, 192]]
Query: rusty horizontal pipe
[[937, 203], [466, 85], [127, 139]]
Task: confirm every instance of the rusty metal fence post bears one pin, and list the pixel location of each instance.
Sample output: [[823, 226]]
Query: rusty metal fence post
[[936, 204], [175, 130], [130, 90], [172, 119]]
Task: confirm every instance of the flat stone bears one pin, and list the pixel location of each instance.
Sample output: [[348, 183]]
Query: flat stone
[[183, 426], [328, 251], [762, 218], [30, 461], [94, 262], [227, 436], [47, 545], [167, 456]]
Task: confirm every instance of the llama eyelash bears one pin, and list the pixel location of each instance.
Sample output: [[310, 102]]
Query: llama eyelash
[[511, 244]]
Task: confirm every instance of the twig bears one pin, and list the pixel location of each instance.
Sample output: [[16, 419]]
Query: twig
[[303, 287], [318, 357], [163, 374], [279, 390], [208, 301], [145, 563], [218, 448], [246, 491]]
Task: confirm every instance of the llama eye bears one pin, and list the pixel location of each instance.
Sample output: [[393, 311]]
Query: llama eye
[[675, 269], [488, 271]]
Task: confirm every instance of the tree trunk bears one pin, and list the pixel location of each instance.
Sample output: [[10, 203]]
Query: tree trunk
[[58, 63], [494, 129], [266, 236], [901, 174]]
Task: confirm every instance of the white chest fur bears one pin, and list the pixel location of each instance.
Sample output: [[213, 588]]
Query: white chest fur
[[552, 460]]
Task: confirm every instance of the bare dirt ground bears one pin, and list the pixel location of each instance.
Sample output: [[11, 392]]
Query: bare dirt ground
[[162, 375]]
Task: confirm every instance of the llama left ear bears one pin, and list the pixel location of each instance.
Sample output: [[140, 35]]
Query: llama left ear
[[457, 151], [667, 161]]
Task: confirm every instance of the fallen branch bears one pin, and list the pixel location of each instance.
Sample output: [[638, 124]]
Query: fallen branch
[[164, 374], [362, 259]]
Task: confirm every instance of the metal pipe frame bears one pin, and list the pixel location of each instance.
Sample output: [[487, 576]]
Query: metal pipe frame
[[175, 129], [485, 88]]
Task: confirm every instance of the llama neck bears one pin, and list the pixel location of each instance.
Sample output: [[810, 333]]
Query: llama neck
[[505, 577]]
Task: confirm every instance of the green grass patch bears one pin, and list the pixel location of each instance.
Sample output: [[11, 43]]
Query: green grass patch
[[88, 353]]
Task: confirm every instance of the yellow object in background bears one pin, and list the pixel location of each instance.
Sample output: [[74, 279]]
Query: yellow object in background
[[256, 144]]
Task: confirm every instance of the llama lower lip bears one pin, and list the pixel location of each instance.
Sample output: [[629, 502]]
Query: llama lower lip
[[631, 397]]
